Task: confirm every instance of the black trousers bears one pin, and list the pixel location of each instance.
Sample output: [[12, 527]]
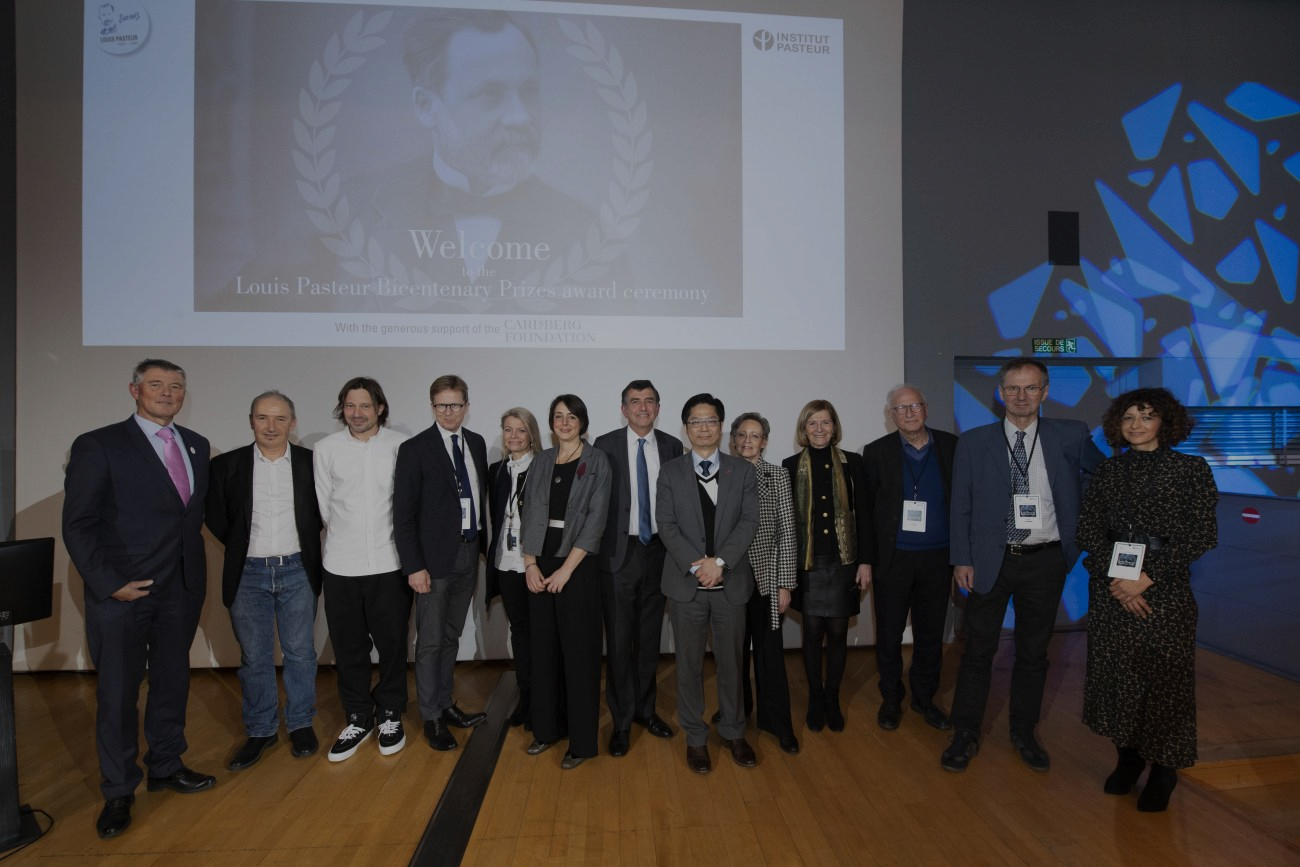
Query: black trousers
[[1033, 583], [770, 684], [916, 582], [123, 637], [566, 658], [364, 611], [514, 596], [634, 620]]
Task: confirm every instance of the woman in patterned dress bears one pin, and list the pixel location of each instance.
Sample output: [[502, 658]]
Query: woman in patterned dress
[[1140, 686]]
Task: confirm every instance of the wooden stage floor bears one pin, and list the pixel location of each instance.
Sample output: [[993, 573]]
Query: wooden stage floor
[[864, 796]]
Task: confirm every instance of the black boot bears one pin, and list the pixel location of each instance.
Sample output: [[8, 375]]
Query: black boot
[[816, 709], [523, 711], [1126, 773], [1160, 785], [834, 716]]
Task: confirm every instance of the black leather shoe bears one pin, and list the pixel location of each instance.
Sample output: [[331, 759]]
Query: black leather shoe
[[435, 731], [250, 752], [619, 742], [816, 718], [742, 753], [717, 717], [889, 716], [184, 781], [697, 759], [454, 716], [654, 725], [304, 742], [1031, 753], [115, 817], [964, 747], [789, 744], [934, 718]]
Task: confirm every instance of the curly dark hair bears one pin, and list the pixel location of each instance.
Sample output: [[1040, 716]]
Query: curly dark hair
[[1175, 424]]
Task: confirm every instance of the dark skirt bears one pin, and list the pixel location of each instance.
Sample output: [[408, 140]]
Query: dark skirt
[[828, 589]]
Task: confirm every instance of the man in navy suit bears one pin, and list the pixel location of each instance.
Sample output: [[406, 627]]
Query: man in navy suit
[[262, 507], [1017, 487], [132, 523], [631, 565], [707, 511], [439, 500]]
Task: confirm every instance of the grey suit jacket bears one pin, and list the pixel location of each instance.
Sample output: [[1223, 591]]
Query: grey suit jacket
[[584, 516], [681, 526], [981, 491]]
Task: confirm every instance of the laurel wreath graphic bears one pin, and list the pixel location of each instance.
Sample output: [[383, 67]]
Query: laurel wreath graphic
[[343, 234]]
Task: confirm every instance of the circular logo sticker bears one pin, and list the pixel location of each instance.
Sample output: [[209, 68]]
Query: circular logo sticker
[[120, 27]]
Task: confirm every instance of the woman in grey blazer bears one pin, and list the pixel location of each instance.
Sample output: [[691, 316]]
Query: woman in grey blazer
[[564, 511]]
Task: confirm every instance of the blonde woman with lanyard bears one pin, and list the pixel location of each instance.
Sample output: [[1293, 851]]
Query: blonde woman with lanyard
[[520, 440], [564, 514], [835, 553]]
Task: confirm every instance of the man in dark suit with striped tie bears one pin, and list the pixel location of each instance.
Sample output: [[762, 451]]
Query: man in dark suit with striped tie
[[132, 523]]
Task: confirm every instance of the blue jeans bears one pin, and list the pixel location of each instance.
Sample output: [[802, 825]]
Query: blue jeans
[[271, 598]]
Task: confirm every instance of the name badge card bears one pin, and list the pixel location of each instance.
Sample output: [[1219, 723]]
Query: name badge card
[[914, 516], [1126, 561], [466, 506], [1028, 511]]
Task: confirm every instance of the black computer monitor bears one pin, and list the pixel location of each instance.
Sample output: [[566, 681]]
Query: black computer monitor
[[26, 580]]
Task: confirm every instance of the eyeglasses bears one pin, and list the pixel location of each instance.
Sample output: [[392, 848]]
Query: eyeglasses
[[698, 423], [905, 408], [749, 437], [1014, 390], [448, 408]]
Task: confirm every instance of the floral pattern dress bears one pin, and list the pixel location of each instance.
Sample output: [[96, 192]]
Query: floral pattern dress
[[1140, 688]]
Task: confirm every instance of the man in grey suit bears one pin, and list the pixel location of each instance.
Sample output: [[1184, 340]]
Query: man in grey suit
[[1017, 486], [631, 561], [707, 512]]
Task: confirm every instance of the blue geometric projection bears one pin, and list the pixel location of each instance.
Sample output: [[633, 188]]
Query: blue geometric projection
[[1241, 265], [1069, 390], [1240, 481], [1272, 147], [1213, 192], [1258, 102], [1147, 124], [1014, 304], [1239, 148], [1283, 257], [1292, 165], [1142, 177], [1169, 203], [968, 410], [1226, 351], [1278, 387], [1156, 265], [1115, 317], [1279, 212]]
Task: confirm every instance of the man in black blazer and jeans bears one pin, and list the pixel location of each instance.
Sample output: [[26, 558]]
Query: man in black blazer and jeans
[[262, 506], [132, 523], [909, 478], [439, 500]]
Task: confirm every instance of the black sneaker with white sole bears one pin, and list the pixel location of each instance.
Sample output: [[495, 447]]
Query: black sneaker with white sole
[[391, 735], [354, 734]]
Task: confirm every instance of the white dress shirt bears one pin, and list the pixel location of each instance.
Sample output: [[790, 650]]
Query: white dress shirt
[[652, 467], [1038, 483], [354, 486], [273, 531]]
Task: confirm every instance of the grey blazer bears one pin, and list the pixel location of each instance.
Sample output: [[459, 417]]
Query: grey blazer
[[681, 526], [584, 516]]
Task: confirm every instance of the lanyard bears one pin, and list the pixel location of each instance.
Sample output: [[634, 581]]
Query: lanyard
[[1024, 471], [916, 477]]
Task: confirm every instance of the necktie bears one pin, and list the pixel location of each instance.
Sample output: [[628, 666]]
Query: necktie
[[643, 492], [462, 482], [175, 463], [1019, 485], [704, 469]]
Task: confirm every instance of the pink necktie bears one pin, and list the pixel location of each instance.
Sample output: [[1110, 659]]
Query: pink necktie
[[175, 464]]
